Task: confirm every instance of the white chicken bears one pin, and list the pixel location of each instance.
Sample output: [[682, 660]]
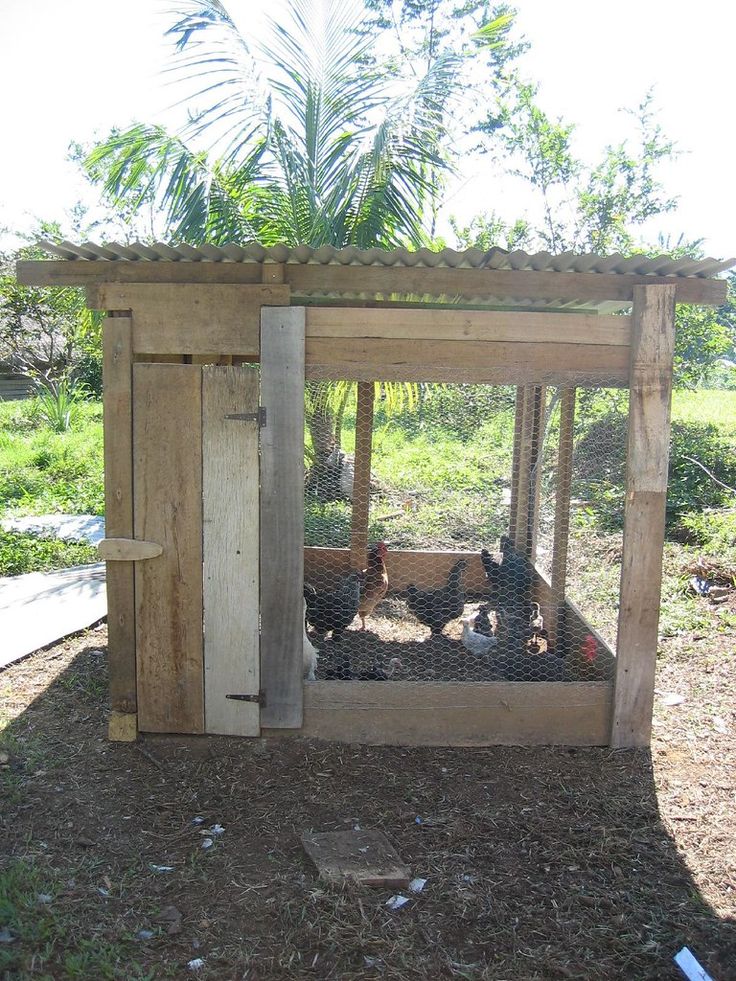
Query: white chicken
[[310, 653], [478, 644]]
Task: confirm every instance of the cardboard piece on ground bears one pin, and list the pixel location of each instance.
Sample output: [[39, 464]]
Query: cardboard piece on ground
[[366, 857], [39, 608]]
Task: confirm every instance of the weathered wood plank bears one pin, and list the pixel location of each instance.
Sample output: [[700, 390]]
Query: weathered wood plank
[[194, 318], [469, 325], [470, 283], [282, 515], [480, 357], [516, 462], [117, 381], [456, 714], [230, 482], [167, 441], [364, 857], [652, 351], [362, 475], [424, 568], [561, 535]]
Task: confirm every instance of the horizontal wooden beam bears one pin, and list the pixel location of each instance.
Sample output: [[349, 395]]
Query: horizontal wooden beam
[[516, 284], [423, 568], [491, 362], [469, 325], [400, 713], [192, 318]]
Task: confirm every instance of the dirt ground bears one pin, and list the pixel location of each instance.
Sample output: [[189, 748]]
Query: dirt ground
[[540, 863]]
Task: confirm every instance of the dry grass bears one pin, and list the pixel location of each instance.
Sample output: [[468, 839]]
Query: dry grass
[[541, 863]]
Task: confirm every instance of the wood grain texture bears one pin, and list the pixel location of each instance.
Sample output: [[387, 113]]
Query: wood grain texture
[[478, 714], [561, 534], [194, 318], [439, 360], [365, 857], [468, 325], [282, 515], [230, 488], [122, 727], [653, 333], [516, 461], [167, 440], [118, 461], [466, 283], [362, 475]]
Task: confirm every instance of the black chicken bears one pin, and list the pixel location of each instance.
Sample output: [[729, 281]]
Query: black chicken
[[435, 608], [333, 609], [509, 578]]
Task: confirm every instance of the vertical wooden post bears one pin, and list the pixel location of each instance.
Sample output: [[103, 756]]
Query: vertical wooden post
[[535, 474], [652, 348], [282, 515], [117, 368], [516, 462], [562, 511], [529, 471], [362, 475]]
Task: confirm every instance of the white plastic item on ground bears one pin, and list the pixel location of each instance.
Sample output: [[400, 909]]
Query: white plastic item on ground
[[689, 966], [70, 527], [42, 607], [396, 902]]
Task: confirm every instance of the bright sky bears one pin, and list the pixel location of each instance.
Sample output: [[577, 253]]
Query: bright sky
[[71, 69]]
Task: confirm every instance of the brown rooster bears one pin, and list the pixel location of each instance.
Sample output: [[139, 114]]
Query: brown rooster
[[375, 586]]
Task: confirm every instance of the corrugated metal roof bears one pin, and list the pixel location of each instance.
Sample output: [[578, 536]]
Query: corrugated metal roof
[[496, 258]]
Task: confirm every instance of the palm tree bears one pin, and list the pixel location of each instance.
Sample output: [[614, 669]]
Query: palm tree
[[309, 141]]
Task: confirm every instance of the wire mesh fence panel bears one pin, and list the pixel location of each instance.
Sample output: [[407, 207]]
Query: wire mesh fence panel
[[420, 565]]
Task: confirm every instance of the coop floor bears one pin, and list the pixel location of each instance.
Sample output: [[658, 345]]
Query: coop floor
[[393, 632]]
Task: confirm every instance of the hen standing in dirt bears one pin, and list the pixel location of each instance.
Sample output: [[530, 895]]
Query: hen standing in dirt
[[375, 586]]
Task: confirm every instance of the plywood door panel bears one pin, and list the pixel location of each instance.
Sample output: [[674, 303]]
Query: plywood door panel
[[230, 483], [282, 515], [167, 479]]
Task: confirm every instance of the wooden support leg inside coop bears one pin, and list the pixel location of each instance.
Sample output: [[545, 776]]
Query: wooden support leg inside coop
[[528, 435], [652, 348], [362, 475], [556, 624]]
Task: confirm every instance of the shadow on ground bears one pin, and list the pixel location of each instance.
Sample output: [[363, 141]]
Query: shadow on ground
[[540, 863]]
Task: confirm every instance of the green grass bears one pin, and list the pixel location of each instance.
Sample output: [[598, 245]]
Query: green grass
[[706, 406], [45, 472]]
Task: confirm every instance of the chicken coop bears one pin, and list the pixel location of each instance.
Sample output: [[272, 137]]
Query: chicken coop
[[445, 473]]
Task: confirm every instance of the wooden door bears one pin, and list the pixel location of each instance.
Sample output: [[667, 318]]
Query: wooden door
[[196, 493]]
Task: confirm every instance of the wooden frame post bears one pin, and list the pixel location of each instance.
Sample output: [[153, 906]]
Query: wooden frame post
[[558, 578], [362, 475], [652, 349], [528, 472], [282, 516], [117, 395], [516, 462]]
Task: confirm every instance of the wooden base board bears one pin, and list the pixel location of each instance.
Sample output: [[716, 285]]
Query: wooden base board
[[122, 727], [365, 857], [399, 713]]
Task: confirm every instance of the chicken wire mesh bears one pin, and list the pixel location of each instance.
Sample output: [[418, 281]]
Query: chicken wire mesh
[[474, 493]]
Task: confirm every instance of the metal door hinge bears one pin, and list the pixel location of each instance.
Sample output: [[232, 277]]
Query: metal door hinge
[[259, 417], [260, 698]]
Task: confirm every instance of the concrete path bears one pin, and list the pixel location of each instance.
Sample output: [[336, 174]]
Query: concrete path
[[42, 607]]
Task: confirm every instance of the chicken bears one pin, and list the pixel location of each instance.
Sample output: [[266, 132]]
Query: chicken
[[340, 669], [509, 578], [375, 586], [310, 653], [476, 643], [437, 607], [334, 609], [482, 621], [379, 673]]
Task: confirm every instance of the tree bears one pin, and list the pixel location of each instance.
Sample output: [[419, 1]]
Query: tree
[[43, 332], [304, 139]]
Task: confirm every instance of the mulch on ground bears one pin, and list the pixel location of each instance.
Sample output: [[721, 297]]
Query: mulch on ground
[[540, 863]]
